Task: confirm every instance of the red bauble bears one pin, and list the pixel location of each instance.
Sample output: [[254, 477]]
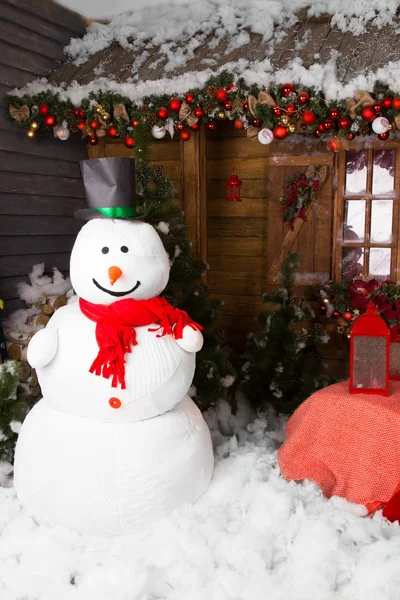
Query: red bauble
[[280, 132], [195, 126], [396, 103], [350, 136], [81, 114], [162, 112], [317, 133], [49, 120], [198, 112], [321, 127], [277, 111], [334, 114], [129, 142], [322, 308], [246, 106], [344, 123], [368, 113], [228, 106], [189, 98], [377, 106], [93, 140], [135, 123], [303, 97], [174, 104], [309, 117], [256, 122], [180, 126], [336, 314], [112, 132], [231, 87], [221, 95], [211, 125], [290, 109], [94, 124], [328, 124], [334, 144], [185, 136], [76, 112], [387, 103], [81, 125], [44, 109], [287, 89], [114, 402], [383, 136], [238, 124], [347, 316]]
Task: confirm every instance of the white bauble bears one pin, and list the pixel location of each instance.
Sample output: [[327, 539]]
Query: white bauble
[[265, 136], [132, 246], [380, 125], [158, 132], [61, 131]]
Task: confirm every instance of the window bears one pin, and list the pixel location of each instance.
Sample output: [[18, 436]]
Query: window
[[366, 213]]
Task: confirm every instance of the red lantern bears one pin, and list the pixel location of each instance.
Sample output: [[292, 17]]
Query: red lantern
[[394, 370], [233, 184], [369, 354], [174, 104], [309, 117]]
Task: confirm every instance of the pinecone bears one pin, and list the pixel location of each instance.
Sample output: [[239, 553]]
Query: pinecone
[[295, 301], [318, 329], [317, 356], [211, 91], [364, 128], [208, 106], [159, 171], [144, 108], [198, 290], [303, 337], [151, 118], [220, 335]]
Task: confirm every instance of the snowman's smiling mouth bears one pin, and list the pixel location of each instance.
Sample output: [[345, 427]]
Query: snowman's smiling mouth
[[112, 293]]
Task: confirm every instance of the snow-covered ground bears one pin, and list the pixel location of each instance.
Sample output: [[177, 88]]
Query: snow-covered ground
[[252, 536]]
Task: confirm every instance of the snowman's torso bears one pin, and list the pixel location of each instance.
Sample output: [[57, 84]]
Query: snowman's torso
[[158, 373]]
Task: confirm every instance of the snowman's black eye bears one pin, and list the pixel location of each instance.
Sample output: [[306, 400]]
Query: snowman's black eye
[[105, 250], [124, 249]]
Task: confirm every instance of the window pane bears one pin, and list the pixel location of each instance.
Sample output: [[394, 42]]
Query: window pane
[[356, 172], [381, 220], [354, 219], [383, 172], [379, 263], [352, 263]]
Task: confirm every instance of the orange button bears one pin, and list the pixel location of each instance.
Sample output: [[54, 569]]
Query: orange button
[[114, 402]]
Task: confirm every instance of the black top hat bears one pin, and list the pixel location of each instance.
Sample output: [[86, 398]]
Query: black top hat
[[109, 187]]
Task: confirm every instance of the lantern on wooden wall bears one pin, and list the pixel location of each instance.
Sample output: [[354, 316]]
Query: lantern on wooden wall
[[394, 369], [233, 185], [369, 354]]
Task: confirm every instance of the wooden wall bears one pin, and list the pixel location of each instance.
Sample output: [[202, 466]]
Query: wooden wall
[[40, 185]]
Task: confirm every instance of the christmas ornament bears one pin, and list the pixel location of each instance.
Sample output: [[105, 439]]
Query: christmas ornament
[[280, 132], [277, 111], [322, 308], [302, 97], [231, 87], [221, 115], [309, 117], [292, 128], [380, 125], [195, 127], [336, 314], [246, 106], [61, 131], [211, 125], [112, 132], [49, 120], [105, 116], [317, 133], [383, 136], [344, 123], [93, 140], [34, 125], [185, 135], [350, 136], [265, 136], [162, 113], [129, 142], [94, 124], [198, 112], [189, 98], [30, 133], [387, 103], [76, 112], [134, 123], [347, 316], [238, 124], [368, 113], [287, 89], [44, 109], [233, 188], [228, 106], [284, 120], [334, 144], [291, 109], [328, 124], [174, 104], [377, 107], [81, 125], [180, 126], [221, 94], [334, 114], [158, 132]]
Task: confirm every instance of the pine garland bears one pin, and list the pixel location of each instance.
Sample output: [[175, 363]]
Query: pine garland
[[13, 408]]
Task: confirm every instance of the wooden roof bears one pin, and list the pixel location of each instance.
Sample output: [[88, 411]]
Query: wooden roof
[[313, 40]]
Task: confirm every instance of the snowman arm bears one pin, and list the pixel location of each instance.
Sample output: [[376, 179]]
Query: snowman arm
[[42, 347], [191, 340]]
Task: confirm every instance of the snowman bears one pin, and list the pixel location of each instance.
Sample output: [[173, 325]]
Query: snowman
[[116, 442]]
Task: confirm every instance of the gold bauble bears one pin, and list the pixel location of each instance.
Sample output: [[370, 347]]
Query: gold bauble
[[30, 133], [284, 120], [105, 116], [34, 125], [99, 109], [221, 115], [292, 128]]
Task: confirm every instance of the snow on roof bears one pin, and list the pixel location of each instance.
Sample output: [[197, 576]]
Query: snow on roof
[[335, 45]]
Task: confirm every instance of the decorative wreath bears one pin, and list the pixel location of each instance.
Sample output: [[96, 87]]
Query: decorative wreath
[[299, 193]]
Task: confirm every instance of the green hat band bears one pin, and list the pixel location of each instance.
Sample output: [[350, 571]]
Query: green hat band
[[115, 212]]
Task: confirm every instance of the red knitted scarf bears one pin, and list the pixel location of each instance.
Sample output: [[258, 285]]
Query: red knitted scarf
[[115, 330]]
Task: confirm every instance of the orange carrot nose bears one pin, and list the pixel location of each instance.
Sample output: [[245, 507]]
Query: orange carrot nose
[[114, 273]]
